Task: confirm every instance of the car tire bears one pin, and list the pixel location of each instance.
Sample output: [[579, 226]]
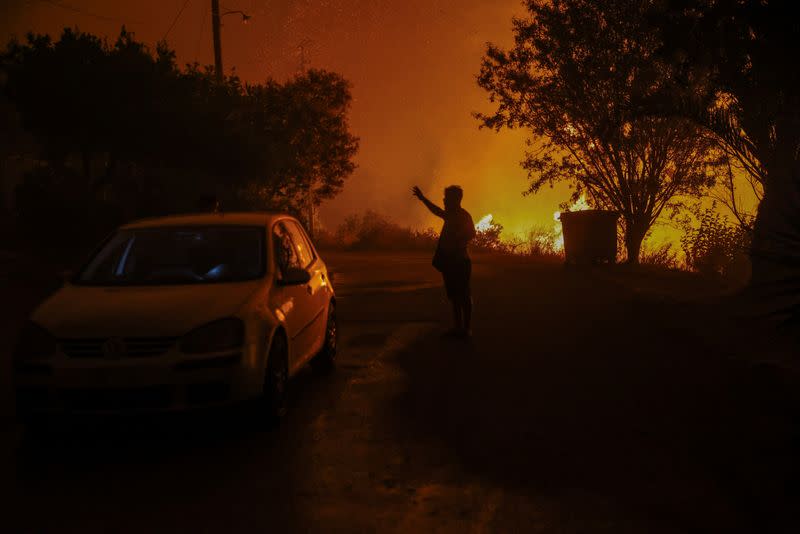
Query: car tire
[[274, 399], [325, 361]]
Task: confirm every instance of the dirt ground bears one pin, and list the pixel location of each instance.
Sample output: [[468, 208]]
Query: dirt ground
[[598, 400]]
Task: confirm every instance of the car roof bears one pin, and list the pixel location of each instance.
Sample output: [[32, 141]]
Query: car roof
[[209, 219]]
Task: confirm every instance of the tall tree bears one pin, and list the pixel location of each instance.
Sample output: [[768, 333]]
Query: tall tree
[[300, 131], [115, 103], [735, 73], [570, 78], [52, 85], [123, 104]]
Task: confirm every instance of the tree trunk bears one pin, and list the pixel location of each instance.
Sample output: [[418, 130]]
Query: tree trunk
[[634, 235], [775, 251]]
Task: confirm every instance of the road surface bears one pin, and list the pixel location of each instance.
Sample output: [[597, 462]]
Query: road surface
[[588, 401]]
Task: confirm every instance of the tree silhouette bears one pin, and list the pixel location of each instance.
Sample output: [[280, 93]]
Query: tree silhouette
[[300, 138], [570, 78], [120, 104], [114, 104], [120, 126], [733, 63]]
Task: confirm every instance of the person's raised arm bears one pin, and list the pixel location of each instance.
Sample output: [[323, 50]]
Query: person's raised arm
[[436, 210]]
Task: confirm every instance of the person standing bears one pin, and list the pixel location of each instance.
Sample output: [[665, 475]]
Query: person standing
[[451, 257], [208, 203]]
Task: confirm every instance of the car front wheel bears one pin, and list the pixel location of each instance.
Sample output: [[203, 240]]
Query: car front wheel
[[276, 380]]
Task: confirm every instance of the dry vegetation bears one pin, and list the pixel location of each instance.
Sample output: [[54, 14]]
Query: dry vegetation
[[712, 247], [372, 231]]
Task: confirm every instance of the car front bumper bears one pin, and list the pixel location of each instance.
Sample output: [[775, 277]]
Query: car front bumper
[[158, 385]]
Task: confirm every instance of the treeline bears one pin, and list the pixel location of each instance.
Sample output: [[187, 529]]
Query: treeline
[[115, 131]]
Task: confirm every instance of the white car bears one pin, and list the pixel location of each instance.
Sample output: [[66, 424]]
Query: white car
[[181, 312]]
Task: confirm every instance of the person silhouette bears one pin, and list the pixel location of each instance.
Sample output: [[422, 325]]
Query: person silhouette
[[451, 257], [208, 203]]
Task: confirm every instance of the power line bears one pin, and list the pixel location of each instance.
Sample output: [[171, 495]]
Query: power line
[[80, 11], [175, 20]]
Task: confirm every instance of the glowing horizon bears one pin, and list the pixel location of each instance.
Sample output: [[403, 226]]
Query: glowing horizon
[[414, 91]]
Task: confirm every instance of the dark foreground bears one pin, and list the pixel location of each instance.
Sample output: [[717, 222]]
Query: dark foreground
[[587, 402]]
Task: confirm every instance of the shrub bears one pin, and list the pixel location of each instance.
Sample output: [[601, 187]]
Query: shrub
[[373, 231], [664, 256], [488, 239], [541, 243], [716, 247], [538, 242]]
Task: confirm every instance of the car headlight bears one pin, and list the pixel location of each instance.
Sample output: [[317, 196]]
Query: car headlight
[[220, 335], [35, 343]]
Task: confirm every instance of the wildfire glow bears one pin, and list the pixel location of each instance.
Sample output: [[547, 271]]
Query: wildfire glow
[[484, 224], [578, 205]]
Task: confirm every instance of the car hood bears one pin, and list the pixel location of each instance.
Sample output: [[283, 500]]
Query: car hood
[[81, 311]]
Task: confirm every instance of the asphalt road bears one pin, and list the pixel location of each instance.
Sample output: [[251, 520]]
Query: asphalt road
[[588, 401]]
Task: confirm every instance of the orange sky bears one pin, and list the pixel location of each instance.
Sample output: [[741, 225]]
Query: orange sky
[[412, 64]]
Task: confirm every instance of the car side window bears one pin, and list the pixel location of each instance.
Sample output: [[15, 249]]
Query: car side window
[[285, 250], [302, 247], [307, 241]]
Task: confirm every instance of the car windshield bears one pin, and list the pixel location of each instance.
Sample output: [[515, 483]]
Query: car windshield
[[171, 255]]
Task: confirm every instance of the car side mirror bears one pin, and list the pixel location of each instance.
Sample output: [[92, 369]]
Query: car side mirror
[[294, 276]]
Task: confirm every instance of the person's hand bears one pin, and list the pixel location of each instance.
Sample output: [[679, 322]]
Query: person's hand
[[417, 192]]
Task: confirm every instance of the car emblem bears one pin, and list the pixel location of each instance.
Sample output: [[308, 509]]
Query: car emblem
[[114, 348]]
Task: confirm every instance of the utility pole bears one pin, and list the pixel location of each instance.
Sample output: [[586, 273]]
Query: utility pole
[[217, 41], [311, 204], [312, 214]]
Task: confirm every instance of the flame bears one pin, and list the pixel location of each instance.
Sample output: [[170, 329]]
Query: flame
[[578, 205], [484, 224]]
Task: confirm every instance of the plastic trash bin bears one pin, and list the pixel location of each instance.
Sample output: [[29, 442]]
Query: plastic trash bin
[[590, 236]]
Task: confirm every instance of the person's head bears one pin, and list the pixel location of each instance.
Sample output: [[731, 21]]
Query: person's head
[[208, 203], [452, 196]]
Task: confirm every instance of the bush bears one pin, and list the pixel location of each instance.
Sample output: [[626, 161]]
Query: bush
[[664, 256], [716, 247], [373, 231], [538, 243], [488, 239], [541, 243]]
